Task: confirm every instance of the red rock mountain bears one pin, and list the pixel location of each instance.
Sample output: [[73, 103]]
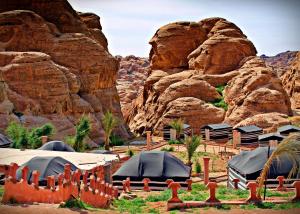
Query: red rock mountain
[[55, 66], [191, 63]]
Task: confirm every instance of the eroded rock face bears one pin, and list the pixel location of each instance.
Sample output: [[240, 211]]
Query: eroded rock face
[[55, 64], [189, 62], [256, 90], [291, 82]]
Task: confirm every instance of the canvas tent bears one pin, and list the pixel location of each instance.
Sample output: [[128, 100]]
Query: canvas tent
[[156, 165], [47, 166], [265, 139], [248, 165], [217, 132], [56, 146], [288, 129], [187, 131], [101, 152], [4, 141], [249, 134]]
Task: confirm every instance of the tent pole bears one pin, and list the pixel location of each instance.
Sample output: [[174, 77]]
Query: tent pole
[[265, 190]]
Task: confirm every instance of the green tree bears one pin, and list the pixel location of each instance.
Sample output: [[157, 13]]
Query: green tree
[[289, 147], [192, 143], [83, 128], [177, 124], [35, 135], [109, 122], [15, 131]]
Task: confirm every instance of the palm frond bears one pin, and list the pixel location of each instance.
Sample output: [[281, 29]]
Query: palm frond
[[192, 143], [289, 147]]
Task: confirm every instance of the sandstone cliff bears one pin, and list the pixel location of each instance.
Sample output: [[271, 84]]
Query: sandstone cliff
[[55, 66], [191, 63]]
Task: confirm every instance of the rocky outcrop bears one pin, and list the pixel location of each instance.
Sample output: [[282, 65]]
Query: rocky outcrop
[[131, 76], [55, 66], [191, 64], [256, 90], [291, 82]]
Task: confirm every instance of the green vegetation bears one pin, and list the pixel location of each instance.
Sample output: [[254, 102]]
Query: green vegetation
[[109, 122], [220, 103], [77, 203], [115, 140], [28, 138], [83, 128], [168, 149], [1, 191], [153, 211], [290, 147], [177, 124], [130, 153], [192, 143], [172, 142], [130, 206], [198, 167], [269, 205]]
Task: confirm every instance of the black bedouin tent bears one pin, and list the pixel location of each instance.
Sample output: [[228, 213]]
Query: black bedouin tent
[[248, 165], [99, 151], [156, 165], [249, 134], [266, 138], [217, 132], [56, 146], [187, 131], [286, 130], [4, 141], [47, 166]]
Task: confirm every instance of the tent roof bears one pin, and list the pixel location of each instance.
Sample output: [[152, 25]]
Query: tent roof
[[288, 128], [271, 136], [47, 166], [101, 151], [4, 141], [247, 129], [56, 146], [249, 162], [156, 165], [217, 126]]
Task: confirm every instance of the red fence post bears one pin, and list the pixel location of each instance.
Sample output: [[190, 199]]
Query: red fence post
[[280, 186], [189, 184], [206, 169], [115, 192], [168, 181], [253, 196], [25, 171], [236, 183], [146, 184], [60, 179], [128, 184], [212, 192], [67, 172], [12, 171], [92, 182], [35, 178], [296, 184], [174, 186]]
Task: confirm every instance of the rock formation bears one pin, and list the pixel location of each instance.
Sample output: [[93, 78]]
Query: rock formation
[[55, 66], [191, 63], [291, 82]]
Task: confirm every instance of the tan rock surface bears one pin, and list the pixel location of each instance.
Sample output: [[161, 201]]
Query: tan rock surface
[[70, 72], [256, 90], [291, 82]]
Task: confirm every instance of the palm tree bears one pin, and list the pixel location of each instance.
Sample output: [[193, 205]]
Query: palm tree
[[83, 129], [109, 122], [177, 124], [191, 144], [289, 147]]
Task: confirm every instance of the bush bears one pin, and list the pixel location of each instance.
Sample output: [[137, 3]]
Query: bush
[[130, 152], [34, 136], [172, 142], [83, 128], [198, 167], [169, 149], [220, 89], [115, 140], [220, 103], [15, 131], [75, 203]]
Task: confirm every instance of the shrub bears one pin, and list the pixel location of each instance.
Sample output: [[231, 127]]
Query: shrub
[[15, 131], [34, 136], [172, 142], [220, 89], [115, 140], [109, 122], [220, 103], [198, 167], [75, 203], [83, 128], [169, 149]]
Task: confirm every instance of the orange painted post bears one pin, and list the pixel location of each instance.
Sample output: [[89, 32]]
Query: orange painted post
[[148, 140], [212, 192], [12, 171], [174, 186], [296, 184], [67, 172], [168, 181], [253, 196], [124, 186], [128, 184], [206, 169], [85, 177], [98, 182], [189, 184], [25, 173], [236, 183], [44, 139], [35, 178], [92, 182], [280, 186], [146, 184], [102, 186], [60, 179], [51, 182], [115, 192]]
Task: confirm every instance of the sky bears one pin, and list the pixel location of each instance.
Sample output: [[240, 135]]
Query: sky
[[272, 25]]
